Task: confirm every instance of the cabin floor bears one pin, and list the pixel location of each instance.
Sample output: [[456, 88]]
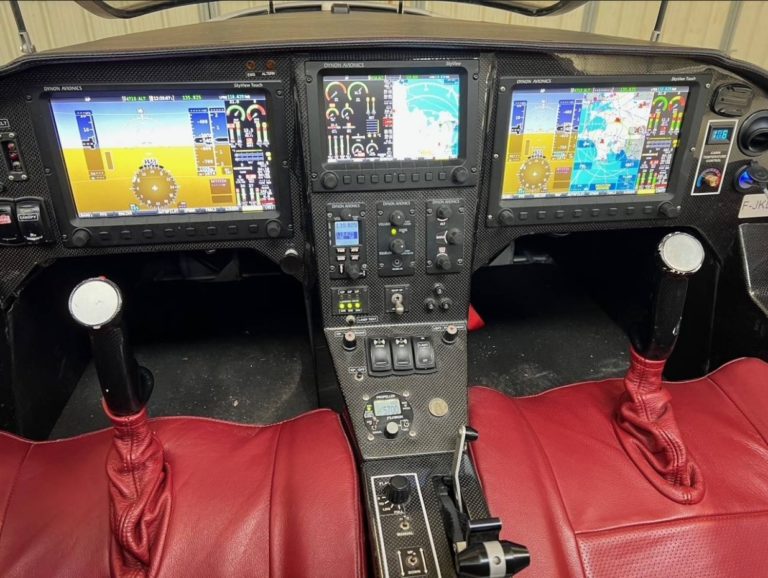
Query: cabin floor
[[541, 332]]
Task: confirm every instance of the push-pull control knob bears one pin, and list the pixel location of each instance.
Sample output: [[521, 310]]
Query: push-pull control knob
[[350, 341], [443, 262], [398, 489], [397, 218]]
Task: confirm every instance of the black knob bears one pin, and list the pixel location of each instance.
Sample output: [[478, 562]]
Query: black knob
[[398, 489], [291, 262], [454, 237], [81, 237], [459, 175], [329, 180], [430, 304], [397, 218], [669, 210], [345, 214], [444, 212], [392, 429], [350, 341], [450, 334], [274, 228], [446, 303], [443, 262], [352, 269], [397, 246], [506, 217], [438, 289]]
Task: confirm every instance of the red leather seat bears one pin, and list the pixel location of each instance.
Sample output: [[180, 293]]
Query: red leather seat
[[279, 500], [555, 472]]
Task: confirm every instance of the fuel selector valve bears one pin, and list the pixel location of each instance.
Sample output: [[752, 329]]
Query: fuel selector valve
[[478, 552]]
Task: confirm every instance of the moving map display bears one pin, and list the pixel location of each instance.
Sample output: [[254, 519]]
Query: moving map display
[[392, 117], [580, 141], [176, 152]]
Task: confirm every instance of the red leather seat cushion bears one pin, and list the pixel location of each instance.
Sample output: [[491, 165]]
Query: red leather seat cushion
[[280, 500], [557, 475]]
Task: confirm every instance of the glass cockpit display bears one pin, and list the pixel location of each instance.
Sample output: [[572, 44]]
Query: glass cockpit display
[[164, 153], [392, 117], [585, 141]]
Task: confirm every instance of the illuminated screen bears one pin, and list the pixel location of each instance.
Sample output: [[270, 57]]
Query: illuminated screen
[[347, 233], [574, 142], [386, 407], [175, 152], [392, 117]]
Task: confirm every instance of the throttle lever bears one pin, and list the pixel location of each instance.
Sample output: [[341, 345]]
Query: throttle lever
[[478, 552]]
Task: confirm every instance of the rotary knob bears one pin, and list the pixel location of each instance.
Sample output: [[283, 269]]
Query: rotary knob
[[352, 270], [397, 218], [454, 237], [398, 490], [444, 212], [443, 262], [397, 246], [81, 237], [329, 180], [274, 228]]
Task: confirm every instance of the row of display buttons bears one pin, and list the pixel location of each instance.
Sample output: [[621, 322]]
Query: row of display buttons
[[458, 175], [508, 216], [128, 234]]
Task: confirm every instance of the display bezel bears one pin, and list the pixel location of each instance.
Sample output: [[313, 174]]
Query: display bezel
[[64, 200], [468, 72], [682, 164]]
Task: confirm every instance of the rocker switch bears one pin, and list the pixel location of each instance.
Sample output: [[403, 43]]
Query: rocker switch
[[379, 355], [423, 353], [402, 354]]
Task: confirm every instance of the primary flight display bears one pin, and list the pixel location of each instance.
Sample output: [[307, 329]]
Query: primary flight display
[[171, 152], [392, 117], [584, 141]]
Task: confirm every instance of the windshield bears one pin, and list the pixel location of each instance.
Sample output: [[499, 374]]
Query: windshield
[[729, 26]]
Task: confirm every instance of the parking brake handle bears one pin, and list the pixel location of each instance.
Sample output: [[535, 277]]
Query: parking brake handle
[[97, 304]]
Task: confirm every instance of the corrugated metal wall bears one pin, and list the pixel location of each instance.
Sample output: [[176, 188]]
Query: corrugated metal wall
[[736, 27]]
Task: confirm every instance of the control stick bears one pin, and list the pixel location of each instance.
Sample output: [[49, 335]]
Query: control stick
[[678, 256], [97, 304]]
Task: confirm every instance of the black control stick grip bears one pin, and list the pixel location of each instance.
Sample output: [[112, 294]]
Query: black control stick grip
[[97, 304], [679, 256]]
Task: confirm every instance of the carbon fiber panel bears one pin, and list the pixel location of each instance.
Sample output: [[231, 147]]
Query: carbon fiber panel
[[754, 255], [426, 468], [16, 263]]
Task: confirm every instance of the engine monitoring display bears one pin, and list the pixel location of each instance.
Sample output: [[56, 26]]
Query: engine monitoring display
[[392, 117], [161, 153], [584, 141]]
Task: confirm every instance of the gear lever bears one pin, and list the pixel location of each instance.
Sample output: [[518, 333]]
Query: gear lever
[[97, 304], [678, 256]]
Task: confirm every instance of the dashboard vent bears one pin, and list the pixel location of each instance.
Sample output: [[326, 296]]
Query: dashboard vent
[[732, 100]]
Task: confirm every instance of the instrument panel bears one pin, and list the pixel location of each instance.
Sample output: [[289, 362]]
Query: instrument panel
[[443, 157]]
